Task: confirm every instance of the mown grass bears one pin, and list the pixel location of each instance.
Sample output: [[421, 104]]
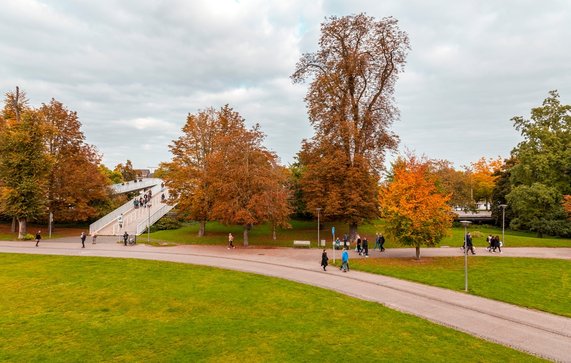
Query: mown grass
[[541, 284], [57, 308], [216, 234]]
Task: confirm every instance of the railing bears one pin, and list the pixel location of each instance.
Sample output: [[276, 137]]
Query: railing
[[135, 185], [153, 218], [111, 217], [128, 206]]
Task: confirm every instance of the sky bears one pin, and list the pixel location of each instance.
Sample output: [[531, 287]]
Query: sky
[[133, 70]]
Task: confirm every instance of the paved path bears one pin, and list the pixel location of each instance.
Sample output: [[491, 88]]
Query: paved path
[[538, 333]]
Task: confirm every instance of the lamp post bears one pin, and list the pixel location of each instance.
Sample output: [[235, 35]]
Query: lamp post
[[149, 205], [318, 210], [503, 206], [465, 224]]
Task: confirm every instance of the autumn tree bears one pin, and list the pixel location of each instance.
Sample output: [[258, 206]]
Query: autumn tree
[[415, 212], [24, 163], [483, 178], [452, 182], [567, 205], [76, 187], [244, 177], [186, 174], [126, 171], [351, 107], [113, 176]]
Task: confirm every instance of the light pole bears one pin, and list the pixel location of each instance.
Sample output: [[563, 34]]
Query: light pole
[[465, 224], [318, 210], [503, 206], [149, 205]]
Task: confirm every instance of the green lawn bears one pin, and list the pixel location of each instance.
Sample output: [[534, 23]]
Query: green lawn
[[217, 233], [542, 284], [63, 309]]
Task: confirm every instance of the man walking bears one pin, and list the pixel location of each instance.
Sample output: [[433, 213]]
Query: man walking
[[38, 237], [382, 242], [125, 238], [83, 237]]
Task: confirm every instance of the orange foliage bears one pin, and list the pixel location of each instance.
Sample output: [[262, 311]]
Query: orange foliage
[[484, 175], [416, 213], [567, 204]]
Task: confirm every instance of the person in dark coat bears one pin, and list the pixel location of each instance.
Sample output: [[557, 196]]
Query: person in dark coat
[[324, 259], [38, 237], [469, 245], [125, 238], [83, 237], [382, 242], [365, 247]]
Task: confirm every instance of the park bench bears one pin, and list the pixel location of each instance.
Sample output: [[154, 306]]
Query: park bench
[[301, 243]]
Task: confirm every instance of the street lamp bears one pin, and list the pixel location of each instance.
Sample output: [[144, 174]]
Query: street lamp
[[465, 224], [149, 205], [318, 210], [503, 206]]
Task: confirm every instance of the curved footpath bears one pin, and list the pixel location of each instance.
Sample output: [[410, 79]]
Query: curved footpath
[[535, 332]]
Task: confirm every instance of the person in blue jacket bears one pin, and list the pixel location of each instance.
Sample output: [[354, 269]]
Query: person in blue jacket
[[345, 260]]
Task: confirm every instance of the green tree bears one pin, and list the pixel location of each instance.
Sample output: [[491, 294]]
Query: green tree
[[351, 107], [24, 163], [538, 208], [113, 176], [542, 169]]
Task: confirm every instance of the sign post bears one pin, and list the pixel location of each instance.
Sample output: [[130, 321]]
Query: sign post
[[333, 243]]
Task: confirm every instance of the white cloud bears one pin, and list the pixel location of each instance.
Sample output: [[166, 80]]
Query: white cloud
[[133, 71]]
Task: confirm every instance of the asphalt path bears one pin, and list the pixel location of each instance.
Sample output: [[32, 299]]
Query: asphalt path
[[538, 333]]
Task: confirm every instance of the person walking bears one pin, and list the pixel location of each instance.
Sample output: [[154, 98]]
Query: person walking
[[382, 242], [345, 260], [324, 259], [93, 238], [469, 245], [38, 237], [365, 247], [359, 244], [377, 242], [497, 244], [125, 238], [120, 220], [83, 236], [230, 241]]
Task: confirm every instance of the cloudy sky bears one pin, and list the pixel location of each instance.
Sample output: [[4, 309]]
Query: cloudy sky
[[134, 69]]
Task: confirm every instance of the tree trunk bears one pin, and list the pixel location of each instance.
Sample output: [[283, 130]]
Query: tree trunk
[[247, 228], [23, 229], [274, 236], [201, 228], [13, 229], [418, 252], [352, 231]]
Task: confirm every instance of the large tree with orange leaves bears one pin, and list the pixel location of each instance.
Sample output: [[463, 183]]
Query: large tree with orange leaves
[[221, 171], [77, 189], [351, 107], [415, 212]]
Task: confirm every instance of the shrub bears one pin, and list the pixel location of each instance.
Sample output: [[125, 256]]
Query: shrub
[[28, 237]]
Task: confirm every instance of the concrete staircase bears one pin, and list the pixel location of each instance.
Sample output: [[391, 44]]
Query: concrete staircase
[[135, 220]]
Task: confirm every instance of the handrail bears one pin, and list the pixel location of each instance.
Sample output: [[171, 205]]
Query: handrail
[[133, 185], [158, 214], [123, 209]]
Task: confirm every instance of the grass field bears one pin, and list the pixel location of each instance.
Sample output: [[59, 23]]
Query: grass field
[[217, 233], [541, 284], [57, 308], [7, 235]]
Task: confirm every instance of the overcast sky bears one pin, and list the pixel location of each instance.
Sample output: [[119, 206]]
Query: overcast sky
[[134, 69]]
